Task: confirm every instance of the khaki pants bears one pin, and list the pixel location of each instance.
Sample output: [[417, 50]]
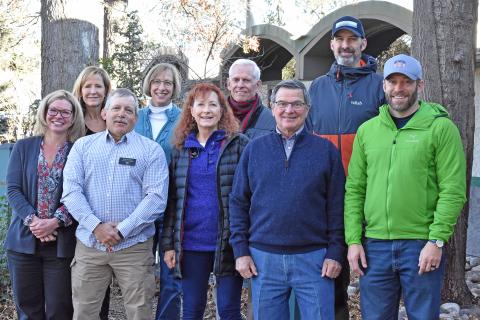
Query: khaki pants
[[92, 272]]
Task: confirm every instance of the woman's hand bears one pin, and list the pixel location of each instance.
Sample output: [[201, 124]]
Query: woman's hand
[[41, 228], [169, 258], [51, 237]]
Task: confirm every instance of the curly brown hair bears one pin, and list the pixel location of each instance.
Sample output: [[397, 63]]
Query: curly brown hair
[[187, 123]]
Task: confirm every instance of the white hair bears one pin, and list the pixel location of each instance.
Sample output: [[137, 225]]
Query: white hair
[[246, 62]]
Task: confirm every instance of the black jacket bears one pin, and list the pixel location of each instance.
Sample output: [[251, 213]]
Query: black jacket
[[174, 215]]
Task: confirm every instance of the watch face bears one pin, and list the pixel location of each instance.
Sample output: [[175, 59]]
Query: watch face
[[439, 243]]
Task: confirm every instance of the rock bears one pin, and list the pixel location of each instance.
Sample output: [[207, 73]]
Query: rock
[[450, 308], [475, 269], [402, 313], [446, 316], [351, 290], [476, 292], [470, 313], [474, 261], [475, 278], [468, 267]]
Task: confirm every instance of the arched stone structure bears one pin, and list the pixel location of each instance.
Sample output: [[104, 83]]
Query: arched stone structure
[[276, 49]]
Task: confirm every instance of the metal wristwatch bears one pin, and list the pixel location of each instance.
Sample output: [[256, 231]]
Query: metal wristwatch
[[438, 243]]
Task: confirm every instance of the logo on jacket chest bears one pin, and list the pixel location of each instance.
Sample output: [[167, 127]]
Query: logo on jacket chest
[[412, 138], [352, 101]]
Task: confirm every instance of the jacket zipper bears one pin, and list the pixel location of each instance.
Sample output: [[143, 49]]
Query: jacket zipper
[[180, 251], [339, 127], [387, 203], [287, 161]]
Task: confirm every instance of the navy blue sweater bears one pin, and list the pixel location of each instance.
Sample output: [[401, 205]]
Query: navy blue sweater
[[292, 206]]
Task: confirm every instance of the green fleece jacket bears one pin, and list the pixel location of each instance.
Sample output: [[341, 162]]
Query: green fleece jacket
[[407, 183]]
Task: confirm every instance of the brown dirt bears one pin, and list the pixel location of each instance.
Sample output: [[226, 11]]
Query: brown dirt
[[117, 311]]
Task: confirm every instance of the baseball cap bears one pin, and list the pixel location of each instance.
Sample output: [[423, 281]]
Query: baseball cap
[[406, 65], [349, 23]]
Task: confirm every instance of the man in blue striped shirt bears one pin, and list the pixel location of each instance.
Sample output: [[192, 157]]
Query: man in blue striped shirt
[[115, 186]]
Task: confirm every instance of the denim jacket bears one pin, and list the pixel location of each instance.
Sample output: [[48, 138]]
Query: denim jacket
[[144, 127]]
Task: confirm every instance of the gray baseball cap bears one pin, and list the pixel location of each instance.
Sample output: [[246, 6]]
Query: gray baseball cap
[[403, 64]]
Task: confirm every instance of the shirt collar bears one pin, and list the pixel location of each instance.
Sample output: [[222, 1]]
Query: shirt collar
[[192, 142], [128, 136], [294, 135], [157, 110]]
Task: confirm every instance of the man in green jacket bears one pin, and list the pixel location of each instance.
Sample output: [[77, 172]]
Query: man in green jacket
[[405, 189]]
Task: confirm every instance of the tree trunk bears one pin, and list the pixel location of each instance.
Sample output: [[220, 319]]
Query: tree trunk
[[69, 44], [113, 12], [444, 33]]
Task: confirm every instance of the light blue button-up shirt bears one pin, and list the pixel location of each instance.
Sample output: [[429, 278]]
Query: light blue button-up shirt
[[124, 182]]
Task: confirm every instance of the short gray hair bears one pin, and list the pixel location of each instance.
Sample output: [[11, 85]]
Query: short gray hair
[[291, 84], [245, 62], [120, 93]]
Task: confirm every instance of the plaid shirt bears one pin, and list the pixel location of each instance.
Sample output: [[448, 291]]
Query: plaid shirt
[[124, 182]]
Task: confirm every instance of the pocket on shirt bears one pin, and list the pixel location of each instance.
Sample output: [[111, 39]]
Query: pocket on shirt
[[137, 171]]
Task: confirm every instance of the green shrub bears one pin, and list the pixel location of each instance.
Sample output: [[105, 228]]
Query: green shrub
[[5, 215]]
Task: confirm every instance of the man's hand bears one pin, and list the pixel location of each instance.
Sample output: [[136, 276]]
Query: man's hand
[[331, 268], [42, 228], [169, 258], [246, 267], [106, 233], [355, 253], [429, 258]]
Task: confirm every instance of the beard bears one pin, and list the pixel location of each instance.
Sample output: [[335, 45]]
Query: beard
[[403, 107], [351, 61]]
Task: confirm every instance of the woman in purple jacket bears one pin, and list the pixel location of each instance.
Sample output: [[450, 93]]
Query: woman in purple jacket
[[196, 225]]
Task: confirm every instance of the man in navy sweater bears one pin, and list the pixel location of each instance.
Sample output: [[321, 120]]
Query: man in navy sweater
[[286, 213]]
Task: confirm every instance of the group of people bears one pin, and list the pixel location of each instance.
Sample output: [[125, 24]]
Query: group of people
[[355, 169]]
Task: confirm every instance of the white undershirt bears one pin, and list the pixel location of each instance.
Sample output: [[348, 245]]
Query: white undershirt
[[158, 118]]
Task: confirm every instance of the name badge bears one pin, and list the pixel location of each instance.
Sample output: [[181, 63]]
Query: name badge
[[127, 161]]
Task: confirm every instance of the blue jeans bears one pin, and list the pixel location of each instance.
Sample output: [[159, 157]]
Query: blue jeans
[[196, 269], [393, 271], [280, 274], [169, 298]]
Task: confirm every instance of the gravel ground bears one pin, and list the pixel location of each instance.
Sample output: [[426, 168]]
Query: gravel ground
[[117, 311]]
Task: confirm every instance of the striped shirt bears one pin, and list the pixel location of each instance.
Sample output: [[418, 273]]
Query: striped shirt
[[124, 182]]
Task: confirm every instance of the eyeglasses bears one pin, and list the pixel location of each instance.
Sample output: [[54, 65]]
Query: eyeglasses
[[63, 113], [296, 105], [166, 83]]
